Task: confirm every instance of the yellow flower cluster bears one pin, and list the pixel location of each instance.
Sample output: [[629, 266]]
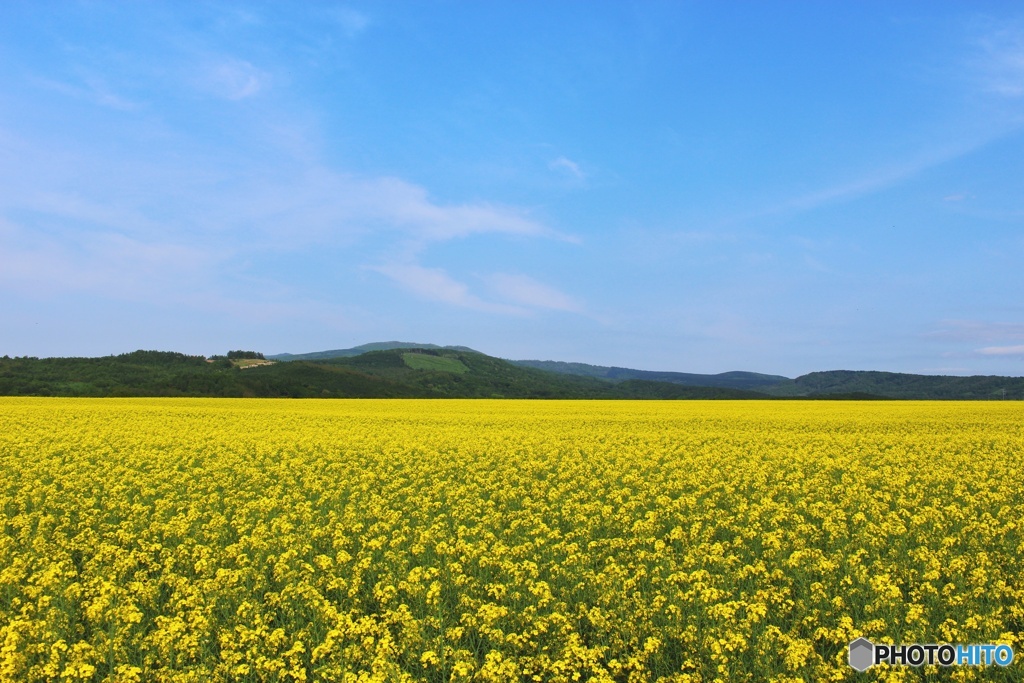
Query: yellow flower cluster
[[374, 540]]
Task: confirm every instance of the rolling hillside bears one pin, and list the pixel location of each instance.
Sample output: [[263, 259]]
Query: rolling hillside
[[405, 369], [751, 381], [394, 373], [900, 386], [448, 372], [361, 349]]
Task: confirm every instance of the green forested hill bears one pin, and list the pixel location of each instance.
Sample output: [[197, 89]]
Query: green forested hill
[[155, 373], [361, 349], [752, 381], [475, 375], [830, 384], [900, 385], [402, 372], [453, 372]]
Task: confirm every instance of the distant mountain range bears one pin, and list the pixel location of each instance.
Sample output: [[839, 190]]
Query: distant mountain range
[[406, 369]]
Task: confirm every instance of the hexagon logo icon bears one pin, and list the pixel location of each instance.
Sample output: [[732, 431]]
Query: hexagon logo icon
[[862, 654]]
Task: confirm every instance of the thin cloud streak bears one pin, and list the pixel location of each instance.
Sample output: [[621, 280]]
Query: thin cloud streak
[[1002, 350], [351, 21], [883, 178], [567, 166], [234, 79], [976, 331], [92, 90], [434, 284], [101, 263], [526, 291], [1001, 72], [1002, 67]]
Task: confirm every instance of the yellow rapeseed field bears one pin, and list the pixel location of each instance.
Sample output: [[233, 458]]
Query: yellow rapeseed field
[[373, 540]]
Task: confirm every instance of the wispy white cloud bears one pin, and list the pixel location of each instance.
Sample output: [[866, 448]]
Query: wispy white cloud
[[141, 239], [434, 284], [568, 167], [233, 79], [91, 88], [104, 95], [816, 264], [975, 331], [99, 214], [111, 265], [525, 291], [882, 178], [694, 237], [509, 294], [274, 200], [410, 206], [1002, 65], [351, 21], [315, 204], [1000, 71], [397, 205], [1017, 350], [182, 215]]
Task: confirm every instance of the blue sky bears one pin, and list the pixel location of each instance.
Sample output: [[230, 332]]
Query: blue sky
[[700, 187]]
